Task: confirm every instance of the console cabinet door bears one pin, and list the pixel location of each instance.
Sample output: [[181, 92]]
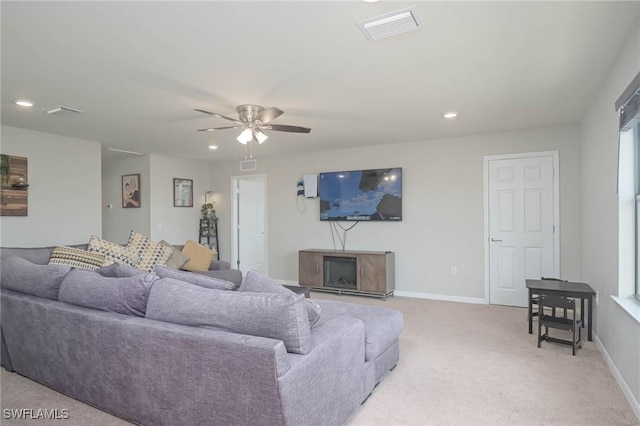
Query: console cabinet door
[[310, 269], [372, 274]]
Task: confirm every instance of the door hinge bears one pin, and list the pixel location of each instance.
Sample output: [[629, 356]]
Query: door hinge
[[554, 229], [237, 190], [554, 172]]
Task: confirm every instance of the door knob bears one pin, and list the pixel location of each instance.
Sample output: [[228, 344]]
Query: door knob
[[495, 240]]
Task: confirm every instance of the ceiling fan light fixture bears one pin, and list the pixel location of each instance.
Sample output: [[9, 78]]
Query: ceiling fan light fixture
[[245, 136], [260, 136]]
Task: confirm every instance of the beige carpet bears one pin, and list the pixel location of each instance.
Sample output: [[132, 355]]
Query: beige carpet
[[460, 364]]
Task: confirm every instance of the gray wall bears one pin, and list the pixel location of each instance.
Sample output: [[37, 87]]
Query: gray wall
[[118, 222], [443, 207], [176, 224], [156, 218], [64, 191], [616, 329]]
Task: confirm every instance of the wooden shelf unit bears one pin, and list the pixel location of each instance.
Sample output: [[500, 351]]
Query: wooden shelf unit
[[374, 271]]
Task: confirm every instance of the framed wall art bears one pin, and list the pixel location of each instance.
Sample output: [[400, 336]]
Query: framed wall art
[[130, 191], [182, 192]]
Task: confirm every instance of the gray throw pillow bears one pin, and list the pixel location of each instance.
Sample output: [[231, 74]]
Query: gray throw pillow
[[177, 259], [121, 295], [260, 283], [20, 275], [116, 270], [274, 316], [191, 278]]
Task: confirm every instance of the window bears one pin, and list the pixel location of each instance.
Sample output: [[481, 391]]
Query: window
[[628, 105], [636, 157]]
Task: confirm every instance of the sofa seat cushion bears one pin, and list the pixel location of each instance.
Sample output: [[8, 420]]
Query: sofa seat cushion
[[121, 295], [382, 326], [20, 275], [191, 278], [275, 316]]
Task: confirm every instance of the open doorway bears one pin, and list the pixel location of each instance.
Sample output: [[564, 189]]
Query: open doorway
[[249, 225]]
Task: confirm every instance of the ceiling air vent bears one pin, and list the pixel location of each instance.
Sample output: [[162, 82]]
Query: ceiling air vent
[[390, 24], [62, 109], [248, 165]]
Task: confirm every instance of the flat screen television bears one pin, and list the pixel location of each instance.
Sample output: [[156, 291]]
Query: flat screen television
[[361, 195]]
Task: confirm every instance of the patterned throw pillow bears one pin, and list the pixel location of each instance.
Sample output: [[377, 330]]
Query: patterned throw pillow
[[150, 253], [77, 258], [177, 259], [113, 252], [200, 255]]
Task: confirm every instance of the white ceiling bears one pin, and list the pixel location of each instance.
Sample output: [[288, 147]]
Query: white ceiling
[[138, 69]]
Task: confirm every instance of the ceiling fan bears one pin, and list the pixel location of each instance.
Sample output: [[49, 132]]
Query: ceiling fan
[[254, 119]]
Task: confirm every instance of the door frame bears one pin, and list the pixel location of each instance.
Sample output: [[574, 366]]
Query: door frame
[[556, 210], [234, 219]]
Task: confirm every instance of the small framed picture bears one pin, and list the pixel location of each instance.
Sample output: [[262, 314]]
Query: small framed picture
[[130, 191], [182, 192]]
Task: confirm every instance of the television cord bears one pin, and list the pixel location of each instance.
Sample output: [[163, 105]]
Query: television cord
[[343, 239], [304, 205]]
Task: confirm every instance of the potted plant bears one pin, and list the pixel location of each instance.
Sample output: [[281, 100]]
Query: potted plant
[[208, 211]]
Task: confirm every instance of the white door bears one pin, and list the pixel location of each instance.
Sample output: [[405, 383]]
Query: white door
[[522, 214], [251, 224]]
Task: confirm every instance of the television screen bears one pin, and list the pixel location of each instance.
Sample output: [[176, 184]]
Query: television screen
[[366, 195]]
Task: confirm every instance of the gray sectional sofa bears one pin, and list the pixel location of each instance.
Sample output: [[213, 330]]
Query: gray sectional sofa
[[161, 351]]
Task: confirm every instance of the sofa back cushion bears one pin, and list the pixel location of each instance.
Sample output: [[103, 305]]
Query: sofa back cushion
[[37, 255], [275, 316], [258, 282], [116, 270], [121, 295], [23, 276], [192, 278]]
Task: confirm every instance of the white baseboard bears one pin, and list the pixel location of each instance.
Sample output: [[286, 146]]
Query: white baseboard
[[446, 298], [635, 405]]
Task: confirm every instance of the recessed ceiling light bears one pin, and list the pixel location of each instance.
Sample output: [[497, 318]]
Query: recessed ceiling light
[[24, 103], [450, 114], [213, 146], [370, 1]]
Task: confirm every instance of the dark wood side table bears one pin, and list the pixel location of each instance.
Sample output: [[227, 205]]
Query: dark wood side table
[[580, 291]]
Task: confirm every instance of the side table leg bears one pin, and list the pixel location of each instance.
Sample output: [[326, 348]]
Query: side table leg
[[530, 313], [590, 302]]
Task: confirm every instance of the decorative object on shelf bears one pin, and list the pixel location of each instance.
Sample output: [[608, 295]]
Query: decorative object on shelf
[[20, 184], [208, 232], [182, 192], [208, 211], [14, 197], [130, 191]]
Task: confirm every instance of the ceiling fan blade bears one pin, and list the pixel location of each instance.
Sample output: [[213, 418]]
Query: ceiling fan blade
[[215, 114], [269, 114], [211, 129], [287, 128]]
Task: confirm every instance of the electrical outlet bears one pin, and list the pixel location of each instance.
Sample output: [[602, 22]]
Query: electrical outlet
[[454, 270]]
